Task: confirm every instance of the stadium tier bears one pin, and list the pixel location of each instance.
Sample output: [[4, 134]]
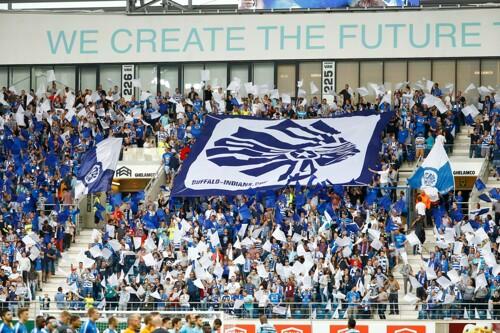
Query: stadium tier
[[259, 171]]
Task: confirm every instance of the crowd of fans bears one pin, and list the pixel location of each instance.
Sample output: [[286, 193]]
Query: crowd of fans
[[331, 251]]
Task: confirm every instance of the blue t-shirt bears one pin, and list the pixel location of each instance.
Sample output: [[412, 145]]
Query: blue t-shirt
[[20, 328], [352, 298], [4, 328], [166, 158], [399, 240], [274, 298], [420, 124], [189, 329], [89, 327]]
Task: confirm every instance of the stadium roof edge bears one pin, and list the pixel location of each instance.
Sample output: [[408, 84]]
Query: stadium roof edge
[[174, 8], [231, 11]]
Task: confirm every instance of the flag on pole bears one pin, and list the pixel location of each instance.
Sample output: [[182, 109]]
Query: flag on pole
[[484, 197], [435, 171], [97, 168]]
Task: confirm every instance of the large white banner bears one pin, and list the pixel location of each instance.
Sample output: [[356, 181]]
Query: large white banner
[[114, 38], [235, 155]]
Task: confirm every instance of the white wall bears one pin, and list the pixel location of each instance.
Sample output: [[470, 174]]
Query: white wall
[[113, 38]]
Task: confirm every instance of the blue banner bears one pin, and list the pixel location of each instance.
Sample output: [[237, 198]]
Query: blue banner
[[242, 154]]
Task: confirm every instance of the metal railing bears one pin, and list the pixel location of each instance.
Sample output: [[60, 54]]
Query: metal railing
[[311, 310], [50, 208], [152, 182], [483, 176]]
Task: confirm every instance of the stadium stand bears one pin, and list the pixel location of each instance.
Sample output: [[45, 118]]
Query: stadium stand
[[87, 247]]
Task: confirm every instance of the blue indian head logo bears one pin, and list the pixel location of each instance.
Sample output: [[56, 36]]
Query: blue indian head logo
[[93, 174], [302, 149], [429, 178]]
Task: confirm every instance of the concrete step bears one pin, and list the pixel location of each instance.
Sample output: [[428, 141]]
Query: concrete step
[[69, 257]]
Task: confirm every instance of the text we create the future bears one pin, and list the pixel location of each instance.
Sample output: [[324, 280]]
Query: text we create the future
[[269, 38]]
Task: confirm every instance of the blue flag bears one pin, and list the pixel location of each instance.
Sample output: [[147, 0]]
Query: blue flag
[[245, 213], [270, 199], [437, 213], [390, 225], [485, 197], [385, 202], [481, 211], [300, 200], [494, 194], [371, 196], [116, 199], [278, 216], [469, 120], [352, 227], [98, 167], [435, 171], [456, 215], [99, 211], [400, 206], [479, 185]]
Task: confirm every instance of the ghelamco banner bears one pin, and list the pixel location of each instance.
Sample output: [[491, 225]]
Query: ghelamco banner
[[238, 155]]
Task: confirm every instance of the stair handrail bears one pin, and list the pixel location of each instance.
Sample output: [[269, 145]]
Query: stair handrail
[[483, 175]]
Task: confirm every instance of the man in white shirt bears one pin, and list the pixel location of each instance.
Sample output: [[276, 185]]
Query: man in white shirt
[[420, 208], [384, 176], [233, 286], [209, 212], [24, 266]]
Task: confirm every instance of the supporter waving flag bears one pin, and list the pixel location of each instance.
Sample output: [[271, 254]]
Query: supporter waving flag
[[435, 171], [98, 167]]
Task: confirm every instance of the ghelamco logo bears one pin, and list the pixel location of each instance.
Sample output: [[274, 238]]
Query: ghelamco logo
[[123, 171]]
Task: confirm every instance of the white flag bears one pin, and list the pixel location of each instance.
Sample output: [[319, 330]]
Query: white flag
[[336, 313], [97, 167], [469, 88], [314, 89]]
